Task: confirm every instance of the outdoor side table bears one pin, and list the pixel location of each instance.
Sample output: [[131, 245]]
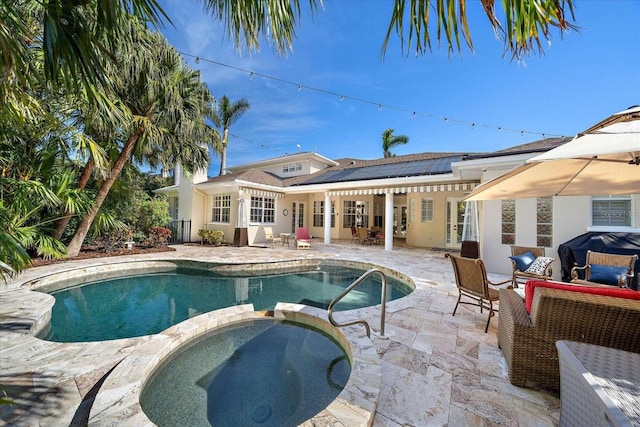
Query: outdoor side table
[[598, 385], [285, 238]]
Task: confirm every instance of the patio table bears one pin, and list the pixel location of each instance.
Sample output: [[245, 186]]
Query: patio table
[[598, 385]]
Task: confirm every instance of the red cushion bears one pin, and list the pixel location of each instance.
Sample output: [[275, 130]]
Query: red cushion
[[610, 292]]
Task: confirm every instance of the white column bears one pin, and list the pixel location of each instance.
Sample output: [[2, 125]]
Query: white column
[[327, 218], [388, 221]]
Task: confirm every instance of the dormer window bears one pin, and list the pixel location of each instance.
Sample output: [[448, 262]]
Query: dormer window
[[292, 167]]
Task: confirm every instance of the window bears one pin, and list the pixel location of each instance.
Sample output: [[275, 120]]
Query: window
[[318, 214], [221, 210], [508, 222], [263, 209], [292, 167], [355, 213], [173, 207], [426, 210], [544, 222], [611, 211]]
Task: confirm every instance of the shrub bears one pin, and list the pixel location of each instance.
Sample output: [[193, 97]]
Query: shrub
[[159, 236], [211, 237]]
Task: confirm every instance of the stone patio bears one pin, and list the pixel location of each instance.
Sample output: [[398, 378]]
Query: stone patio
[[436, 369]]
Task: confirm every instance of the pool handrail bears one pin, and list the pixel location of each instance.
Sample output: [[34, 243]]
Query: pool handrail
[[383, 302]]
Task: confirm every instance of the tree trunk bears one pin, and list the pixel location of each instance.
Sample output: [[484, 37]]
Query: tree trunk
[[82, 183], [73, 249], [223, 155]]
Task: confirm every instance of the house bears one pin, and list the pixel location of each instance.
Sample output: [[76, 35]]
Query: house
[[417, 198]]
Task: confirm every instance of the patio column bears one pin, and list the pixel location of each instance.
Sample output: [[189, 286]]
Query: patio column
[[388, 221], [327, 218]]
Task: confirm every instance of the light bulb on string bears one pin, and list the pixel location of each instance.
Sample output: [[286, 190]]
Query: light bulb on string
[[299, 88], [413, 116], [341, 98], [379, 107], [197, 60], [473, 125], [251, 75]]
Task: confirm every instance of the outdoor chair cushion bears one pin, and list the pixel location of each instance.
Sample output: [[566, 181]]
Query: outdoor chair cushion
[[611, 292], [523, 261], [607, 274], [539, 265]]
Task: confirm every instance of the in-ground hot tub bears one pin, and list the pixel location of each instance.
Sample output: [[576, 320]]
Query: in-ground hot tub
[[254, 373], [229, 386]]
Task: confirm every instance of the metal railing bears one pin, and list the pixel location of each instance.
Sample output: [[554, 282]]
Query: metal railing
[[180, 231], [383, 302]]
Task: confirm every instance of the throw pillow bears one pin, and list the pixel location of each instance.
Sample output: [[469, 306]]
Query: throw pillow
[[523, 261], [606, 274], [539, 265]]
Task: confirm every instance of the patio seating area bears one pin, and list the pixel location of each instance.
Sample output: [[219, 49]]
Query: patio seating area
[[437, 369]]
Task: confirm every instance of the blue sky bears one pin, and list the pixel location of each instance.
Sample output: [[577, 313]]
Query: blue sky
[[581, 78]]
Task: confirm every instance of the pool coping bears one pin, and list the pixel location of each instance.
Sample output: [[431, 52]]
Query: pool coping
[[118, 400]]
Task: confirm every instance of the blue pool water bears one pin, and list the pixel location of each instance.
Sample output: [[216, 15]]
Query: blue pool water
[[134, 306], [258, 373]]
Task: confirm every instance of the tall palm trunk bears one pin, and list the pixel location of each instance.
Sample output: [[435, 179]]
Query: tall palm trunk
[[223, 154], [76, 243], [62, 224]]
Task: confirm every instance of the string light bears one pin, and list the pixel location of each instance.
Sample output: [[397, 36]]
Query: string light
[[365, 101]]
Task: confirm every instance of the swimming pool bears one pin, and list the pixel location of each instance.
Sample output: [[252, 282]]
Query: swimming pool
[[259, 372], [147, 301]]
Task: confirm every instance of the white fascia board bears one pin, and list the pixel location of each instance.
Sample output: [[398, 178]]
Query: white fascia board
[[473, 169], [169, 189], [291, 158]]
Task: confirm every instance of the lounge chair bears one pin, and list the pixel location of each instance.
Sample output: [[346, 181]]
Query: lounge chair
[[529, 263], [303, 239], [269, 237], [472, 282], [605, 269]]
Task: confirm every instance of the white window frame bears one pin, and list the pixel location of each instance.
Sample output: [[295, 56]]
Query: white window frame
[[630, 199], [263, 210], [427, 207], [221, 208], [291, 167]]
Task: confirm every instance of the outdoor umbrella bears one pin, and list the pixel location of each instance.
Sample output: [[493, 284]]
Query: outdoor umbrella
[[603, 160]]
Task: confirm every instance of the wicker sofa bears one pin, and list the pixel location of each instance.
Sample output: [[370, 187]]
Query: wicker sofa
[[528, 340]]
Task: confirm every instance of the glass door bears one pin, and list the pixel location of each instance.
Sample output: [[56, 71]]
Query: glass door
[[297, 216], [455, 222]]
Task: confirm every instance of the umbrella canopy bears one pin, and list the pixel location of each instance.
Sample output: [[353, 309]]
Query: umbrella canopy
[[604, 159]]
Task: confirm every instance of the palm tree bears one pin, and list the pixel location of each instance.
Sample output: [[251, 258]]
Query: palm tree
[[76, 37], [389, 140], [227, 114], [163, 104]]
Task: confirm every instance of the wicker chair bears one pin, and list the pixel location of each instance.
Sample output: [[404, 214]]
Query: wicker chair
[[472, 282], [528, 341], [524, 276], [607, 260]]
